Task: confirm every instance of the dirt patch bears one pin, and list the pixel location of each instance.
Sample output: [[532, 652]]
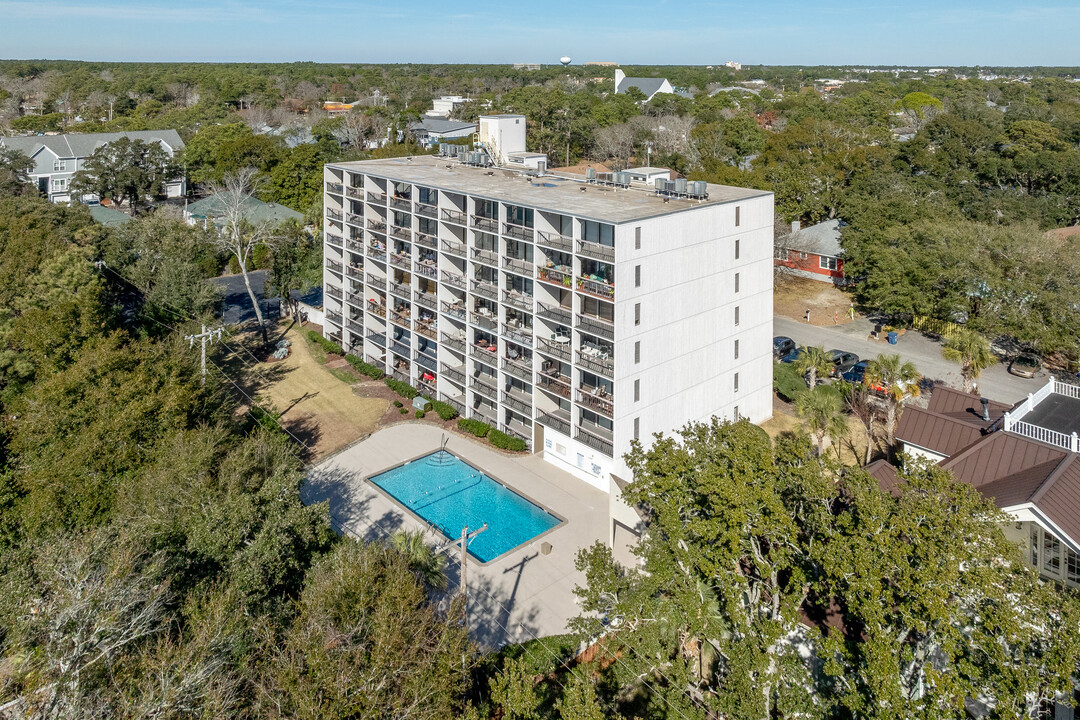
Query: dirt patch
[[828, 304], [852, 447]]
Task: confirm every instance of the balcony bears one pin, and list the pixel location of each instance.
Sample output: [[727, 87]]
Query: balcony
[[425, 329], [596, 251], [597, 288], [376, 281], [376, 250], [376, 308], [402, 317], [355, 270], [427, 210], [597, 400], [453, 216], [425, 299], [484, 321], [354, 219], [487, 385], [355, 327], [455, 248], [521, 369], [454, 402], [425, 387], [379, 362], [334, 265], [334, 292], [401, 233], [401, 374], [354, 245], [426, 361], [454, 310], [428, 241], [489, 257], [555, 241], [519, 232], [377, 197], [334, 214], [334, 317], [401, 203], [558, 347], [334, 187], [485, 223], [354, 192], [378, 338], [333, 239], [400, 289], [518, 401], [557, 275], [399, 348], [454, 372], [401, 259], [485, 414], [455, 342], [596, 326], [521, 335], [453, 279], [596, 437], [485, 355], [554, 383], [554, 312], [555, 422], [597, 361], [515, 299], [521, 267], [376, 225], [425, 268], [485, 289]]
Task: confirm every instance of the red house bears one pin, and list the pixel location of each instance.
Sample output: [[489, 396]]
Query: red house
[[812, 252]]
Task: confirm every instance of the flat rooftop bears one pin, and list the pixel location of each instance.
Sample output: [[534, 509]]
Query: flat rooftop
[[1056, 412], [559, 192]]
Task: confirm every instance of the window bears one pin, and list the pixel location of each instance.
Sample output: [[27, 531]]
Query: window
[[1072, 567], [735, 412], [736, 382], [637, 313], [781, 254], [736, 315], [1051, 554], [736, 349], [637, 352], [637, 238], [59, 166], [737, 215], [596, 232], [637, 276], [637, 390], [736, 282], [637, 427], [59, 183], [736, 249], [1034, 542], [827, 263]]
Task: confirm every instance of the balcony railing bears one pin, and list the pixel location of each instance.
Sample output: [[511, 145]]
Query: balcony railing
[[426, 387], [355, 245], [401, 233], [425, 269], [517, 403], [596, 326], [356, 327], [334, 292], [599, 289], [334, 214], [485, 414], [426, 361], [401, 259], [400, 348], [555, 240], [401, 375], [376, 197], [356, 270], [485, 322], [602, 364], [554, 312], [425, 329], [427, 210], [558, 349], [455, 342], [483, 355], [556, 423], [334, 317], [596, 251], [376, 281], [518, 430], [428, 241], [604, 404], [400, 289], [334, 187], [485, 223], [518, 231], [377, 338], [401, 317], [556, 276], [400, 203], [334, 265], [376, 251], [376, 225], [516, 299], [454, 216], [354, 192], [485, 289], [487, 385], [454, 372], [596, 441], [333, 239], [521, 267], [453, 247], [455, 403], [354, 219], [376, 309], [453, 310], [558, 384], [520, 335], [521, 369], [453, 279], [425, 299], [489, 257]]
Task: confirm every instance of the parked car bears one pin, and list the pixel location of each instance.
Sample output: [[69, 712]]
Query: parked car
[[792, 356], [841, 361], [781, 346], [857, 374], [1025, 365]]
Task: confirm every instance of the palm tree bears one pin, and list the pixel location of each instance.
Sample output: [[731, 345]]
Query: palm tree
[[821, 409], [900, 380], [428, 566], [972, 351], [812, 363]]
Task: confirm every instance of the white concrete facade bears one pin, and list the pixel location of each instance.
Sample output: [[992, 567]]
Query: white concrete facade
[[614, 313], [502, 135]]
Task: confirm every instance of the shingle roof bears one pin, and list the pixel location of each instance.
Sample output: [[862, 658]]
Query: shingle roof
[[820, 239], [256, 211], [648, 86], [78, 145], [438, 125]]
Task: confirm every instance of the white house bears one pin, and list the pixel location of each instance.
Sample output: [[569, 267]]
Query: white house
[[650, 87]]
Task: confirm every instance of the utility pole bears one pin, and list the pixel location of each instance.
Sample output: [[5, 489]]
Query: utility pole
[[202, 338]]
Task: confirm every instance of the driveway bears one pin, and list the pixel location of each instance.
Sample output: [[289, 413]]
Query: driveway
[[995, 383], [236, 306]]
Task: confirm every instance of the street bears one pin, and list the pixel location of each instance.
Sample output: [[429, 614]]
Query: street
[[236, 306], [996, 383]]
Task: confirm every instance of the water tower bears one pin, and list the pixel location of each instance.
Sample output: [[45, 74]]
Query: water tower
[[565, 60]]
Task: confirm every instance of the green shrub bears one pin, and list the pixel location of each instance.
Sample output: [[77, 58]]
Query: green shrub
[[506, 442], [787, 382], [444, 410], [475, 427], [403, 389], [397, 403], [328, 346], [403, 410], [365, 368], [419, 414]]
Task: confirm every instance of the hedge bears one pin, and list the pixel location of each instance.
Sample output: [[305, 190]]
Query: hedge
[[787, 382], [403, 389], [365, 368], [444, 410], [506, 442], [475, 427], [329, 346]]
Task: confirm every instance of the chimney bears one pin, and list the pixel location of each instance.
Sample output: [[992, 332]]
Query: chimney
[[986, 408], [795, 226]]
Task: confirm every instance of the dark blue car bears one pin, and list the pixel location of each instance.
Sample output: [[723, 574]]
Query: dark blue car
[[792, 356], [856, 372]]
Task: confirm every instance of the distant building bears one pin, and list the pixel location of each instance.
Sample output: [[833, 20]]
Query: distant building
[[650, 87], [58, 157], [210, 210], [526, 66], [108, 216], [602, 63], [733, 65], [445, 106], [337, 108], [812, 252], [430, 131]]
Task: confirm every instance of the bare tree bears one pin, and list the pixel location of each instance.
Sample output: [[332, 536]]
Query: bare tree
[[256, 117], [237, 236], [357, 128], [615, 143]]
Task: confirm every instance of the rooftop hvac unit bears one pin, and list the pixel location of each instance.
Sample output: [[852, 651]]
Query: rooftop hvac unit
[[590, 174], [623, 179], [680, 186], [660, 184], [699, 188]]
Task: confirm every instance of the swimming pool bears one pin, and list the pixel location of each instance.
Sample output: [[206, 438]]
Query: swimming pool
[[449, 493]]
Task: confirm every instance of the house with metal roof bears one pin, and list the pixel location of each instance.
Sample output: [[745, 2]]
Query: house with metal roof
[[1025, 458], [812, 252], [58, 157], [650, 87], [430, 131], [212, 209]]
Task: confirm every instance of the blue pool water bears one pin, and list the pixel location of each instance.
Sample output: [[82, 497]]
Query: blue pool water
[[449, 493]]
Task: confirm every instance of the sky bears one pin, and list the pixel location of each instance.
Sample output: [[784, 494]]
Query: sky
[[663, 32]]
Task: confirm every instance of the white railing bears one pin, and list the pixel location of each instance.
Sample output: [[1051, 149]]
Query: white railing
[[1013, 421], [1066, 389], [1050, 437], [1028, 405]]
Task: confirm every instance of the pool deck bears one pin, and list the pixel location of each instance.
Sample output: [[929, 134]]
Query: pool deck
[[518, 596]]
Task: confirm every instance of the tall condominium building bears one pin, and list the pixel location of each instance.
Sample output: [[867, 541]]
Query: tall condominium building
[[577, 314]]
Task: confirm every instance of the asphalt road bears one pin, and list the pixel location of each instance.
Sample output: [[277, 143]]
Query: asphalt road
[[996, 383]]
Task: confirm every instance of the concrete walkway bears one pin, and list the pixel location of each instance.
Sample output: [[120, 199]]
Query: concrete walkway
[[996, 383], [519, 596]]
